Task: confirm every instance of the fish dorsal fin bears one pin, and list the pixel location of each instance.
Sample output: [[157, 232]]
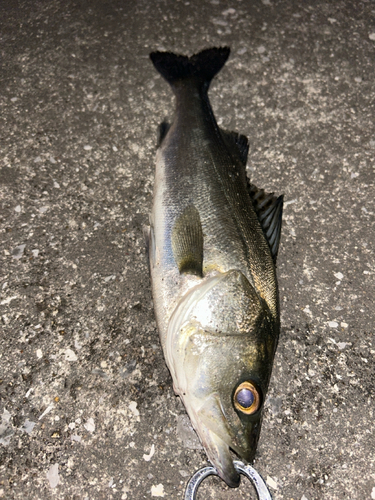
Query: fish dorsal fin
[[187, 242], [236, 143], [162, 132], [269, 210]]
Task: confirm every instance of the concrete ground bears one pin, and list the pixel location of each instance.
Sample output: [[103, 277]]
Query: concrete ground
[[87, 406]]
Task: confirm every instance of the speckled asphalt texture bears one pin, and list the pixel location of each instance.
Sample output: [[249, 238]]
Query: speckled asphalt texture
[[87, 406]]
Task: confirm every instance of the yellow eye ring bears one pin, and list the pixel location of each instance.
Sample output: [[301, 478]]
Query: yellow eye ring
[[246, 398]]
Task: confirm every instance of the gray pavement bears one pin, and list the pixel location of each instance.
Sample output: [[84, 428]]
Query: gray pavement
[[87, 406]]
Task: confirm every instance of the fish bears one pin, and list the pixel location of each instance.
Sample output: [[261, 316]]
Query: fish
[[212, 246]]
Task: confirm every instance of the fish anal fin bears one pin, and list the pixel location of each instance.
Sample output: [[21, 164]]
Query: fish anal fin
[[148, 235], [237, 144], [162, 132], [269, 210], [187, 242]]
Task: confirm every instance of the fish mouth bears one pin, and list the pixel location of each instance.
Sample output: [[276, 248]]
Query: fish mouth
[[219, 438], [219, 455]]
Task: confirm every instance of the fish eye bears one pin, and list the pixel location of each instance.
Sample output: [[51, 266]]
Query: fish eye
[[246, 398]]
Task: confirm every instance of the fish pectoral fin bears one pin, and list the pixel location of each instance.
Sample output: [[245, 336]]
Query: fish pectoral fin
[[162, 132], [269, 209], [187, 242], [237, 144]]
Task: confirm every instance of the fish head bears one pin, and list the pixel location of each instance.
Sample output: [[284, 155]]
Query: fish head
[[220, 352]]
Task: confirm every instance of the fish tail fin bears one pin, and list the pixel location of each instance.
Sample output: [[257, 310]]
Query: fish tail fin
[[201, 67]]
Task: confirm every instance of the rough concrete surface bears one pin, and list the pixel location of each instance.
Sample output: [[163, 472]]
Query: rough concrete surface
[[87, 406]]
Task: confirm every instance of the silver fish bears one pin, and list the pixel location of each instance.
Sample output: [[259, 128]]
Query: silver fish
[[212, 245]]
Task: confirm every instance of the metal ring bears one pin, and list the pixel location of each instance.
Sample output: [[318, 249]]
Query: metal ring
[[248, 471]]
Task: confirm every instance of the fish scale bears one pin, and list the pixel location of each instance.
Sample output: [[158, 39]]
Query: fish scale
[[204, 164]]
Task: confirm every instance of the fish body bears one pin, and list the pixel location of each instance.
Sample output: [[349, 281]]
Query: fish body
[[212, 247]]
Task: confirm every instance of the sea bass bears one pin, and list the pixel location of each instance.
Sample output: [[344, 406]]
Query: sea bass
[[212, 245]]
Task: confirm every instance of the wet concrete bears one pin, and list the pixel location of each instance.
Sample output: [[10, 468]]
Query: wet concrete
[[87, 406]]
